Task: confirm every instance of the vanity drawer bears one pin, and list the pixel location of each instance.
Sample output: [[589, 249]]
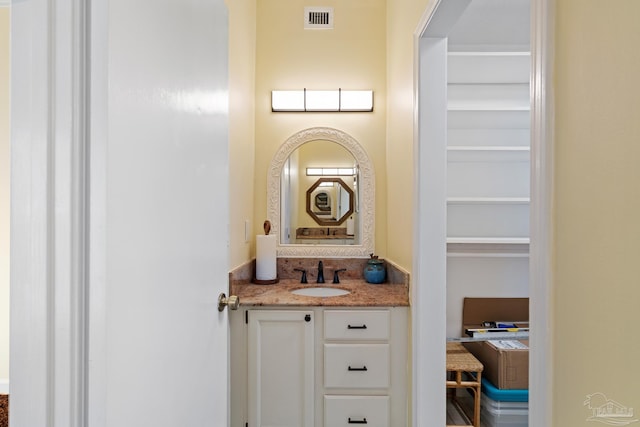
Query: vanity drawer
[[356, 365], [353, 411], [354, 325]]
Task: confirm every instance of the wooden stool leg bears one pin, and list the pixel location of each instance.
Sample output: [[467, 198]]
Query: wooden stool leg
[[476, 402]]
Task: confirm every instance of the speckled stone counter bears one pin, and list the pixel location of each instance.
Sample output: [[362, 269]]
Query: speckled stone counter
[[394, 293]]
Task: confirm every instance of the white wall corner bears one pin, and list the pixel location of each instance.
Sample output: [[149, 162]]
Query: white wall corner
[[4, 386]]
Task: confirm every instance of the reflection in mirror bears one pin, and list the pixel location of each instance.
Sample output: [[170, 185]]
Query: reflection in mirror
[[330, 202], [305, 158], [316, 209]]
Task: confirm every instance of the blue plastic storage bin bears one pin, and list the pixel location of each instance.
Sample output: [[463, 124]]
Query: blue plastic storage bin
[[515, 395], [504, 408]]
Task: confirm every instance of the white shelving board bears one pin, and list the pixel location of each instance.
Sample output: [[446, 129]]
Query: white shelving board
[[488, 200]]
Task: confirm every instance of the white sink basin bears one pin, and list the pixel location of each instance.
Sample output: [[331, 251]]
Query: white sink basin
[[320, 292]]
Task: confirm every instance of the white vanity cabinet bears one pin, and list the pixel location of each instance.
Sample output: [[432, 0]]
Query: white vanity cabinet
[[349, 364]]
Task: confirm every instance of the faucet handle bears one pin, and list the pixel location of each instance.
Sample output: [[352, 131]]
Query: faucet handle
[[303, 279], [336, 277]]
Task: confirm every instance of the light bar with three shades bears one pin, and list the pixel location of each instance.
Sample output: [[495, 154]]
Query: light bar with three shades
[[337, 100]]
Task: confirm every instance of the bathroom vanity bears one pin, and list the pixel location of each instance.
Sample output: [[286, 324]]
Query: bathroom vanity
[[320, 361], [307, 352]]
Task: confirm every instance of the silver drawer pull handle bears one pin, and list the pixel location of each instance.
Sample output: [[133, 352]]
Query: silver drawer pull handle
[[362, 421], [364, 368], [356, 327]]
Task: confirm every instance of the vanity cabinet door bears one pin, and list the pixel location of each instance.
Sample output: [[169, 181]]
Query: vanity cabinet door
[[280, 368]]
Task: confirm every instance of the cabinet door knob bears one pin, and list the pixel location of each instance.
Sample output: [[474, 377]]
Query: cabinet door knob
[[307, 318]]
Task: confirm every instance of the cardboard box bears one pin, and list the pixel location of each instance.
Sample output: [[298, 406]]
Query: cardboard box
[[505, 368]]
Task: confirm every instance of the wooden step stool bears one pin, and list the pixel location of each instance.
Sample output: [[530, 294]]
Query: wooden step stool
[[464, 371]]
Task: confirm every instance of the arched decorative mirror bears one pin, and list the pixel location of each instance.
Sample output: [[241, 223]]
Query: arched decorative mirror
[[321, 196]]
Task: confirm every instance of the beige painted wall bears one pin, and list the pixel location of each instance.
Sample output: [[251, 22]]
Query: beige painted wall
[[242, 46], [402, 20], [352, 56], [597, 206], [4, 193], [403, 17]]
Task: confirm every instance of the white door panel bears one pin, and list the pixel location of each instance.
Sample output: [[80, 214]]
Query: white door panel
[[119, 213], [161, 190]]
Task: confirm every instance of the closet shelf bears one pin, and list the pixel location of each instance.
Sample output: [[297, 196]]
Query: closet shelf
[[488, 148], [488, 154], [497, 107], [488, 240], [487, 53], [488, 250], [486, 254], [488, 200]]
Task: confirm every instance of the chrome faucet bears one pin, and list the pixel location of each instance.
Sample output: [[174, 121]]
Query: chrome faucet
[[320, 272]]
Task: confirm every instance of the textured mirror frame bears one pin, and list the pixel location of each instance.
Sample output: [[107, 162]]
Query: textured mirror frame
[[366, 196]]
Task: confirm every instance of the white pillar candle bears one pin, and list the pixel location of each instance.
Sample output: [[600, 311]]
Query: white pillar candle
[[266, 257], [350, 227]]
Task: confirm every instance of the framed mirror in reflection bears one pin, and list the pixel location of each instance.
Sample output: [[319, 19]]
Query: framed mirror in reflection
[[321, 196], [330, 201]]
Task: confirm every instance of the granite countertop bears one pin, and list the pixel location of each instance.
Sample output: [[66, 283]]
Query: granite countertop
[[393, 293], [362, 294]]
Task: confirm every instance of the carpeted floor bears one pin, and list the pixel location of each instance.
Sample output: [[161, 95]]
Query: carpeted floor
[[4, 410]]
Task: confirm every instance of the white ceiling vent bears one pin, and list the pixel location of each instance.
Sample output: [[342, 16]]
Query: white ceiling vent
[[318, 18]]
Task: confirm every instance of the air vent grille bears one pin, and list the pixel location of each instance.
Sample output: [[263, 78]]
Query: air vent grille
[[318, 17]]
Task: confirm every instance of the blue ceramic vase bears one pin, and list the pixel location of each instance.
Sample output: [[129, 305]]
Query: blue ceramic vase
[[375, 271]]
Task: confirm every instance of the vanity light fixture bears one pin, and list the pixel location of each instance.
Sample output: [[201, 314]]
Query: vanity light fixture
[[321, 100], [330, 171]]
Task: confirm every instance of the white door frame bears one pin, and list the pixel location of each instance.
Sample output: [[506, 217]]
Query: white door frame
[[541, 285], [429, 267], [48, 213]]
